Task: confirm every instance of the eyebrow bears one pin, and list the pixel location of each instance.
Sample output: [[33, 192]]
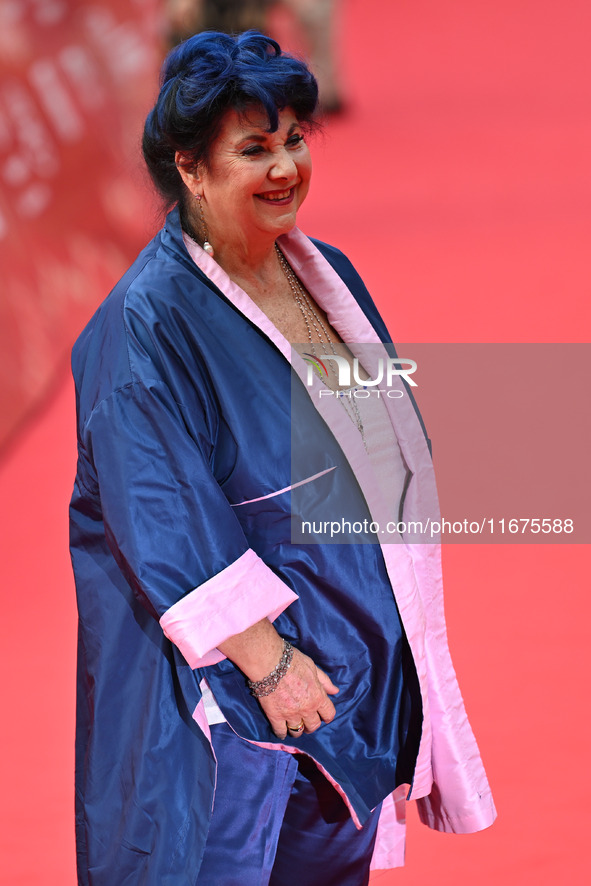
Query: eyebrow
[[259, 137]]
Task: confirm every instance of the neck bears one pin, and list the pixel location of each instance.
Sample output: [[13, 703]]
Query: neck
[[257, 263], [242, 258]]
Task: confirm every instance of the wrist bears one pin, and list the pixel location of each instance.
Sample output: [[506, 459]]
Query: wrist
[[256, 651], [268, 685]]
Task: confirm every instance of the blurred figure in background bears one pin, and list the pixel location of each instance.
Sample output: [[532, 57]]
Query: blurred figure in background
[[188, 17], [314, 22]]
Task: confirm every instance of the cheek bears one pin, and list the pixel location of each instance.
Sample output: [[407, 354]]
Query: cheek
[[303, 191], [305, 172], [305, 167]]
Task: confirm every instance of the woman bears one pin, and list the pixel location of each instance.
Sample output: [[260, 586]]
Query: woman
[[239, 602]]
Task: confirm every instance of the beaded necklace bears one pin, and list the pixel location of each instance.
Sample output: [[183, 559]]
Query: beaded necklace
[[314, 322]]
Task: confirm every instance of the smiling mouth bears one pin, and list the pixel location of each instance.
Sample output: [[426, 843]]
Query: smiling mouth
[[280, 198]]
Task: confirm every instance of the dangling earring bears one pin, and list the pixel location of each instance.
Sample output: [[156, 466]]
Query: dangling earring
[[207, 247]]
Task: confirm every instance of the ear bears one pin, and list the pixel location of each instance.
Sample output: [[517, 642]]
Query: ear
[[189, 173]]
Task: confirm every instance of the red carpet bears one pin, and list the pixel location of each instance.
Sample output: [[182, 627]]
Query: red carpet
[[458, 183]]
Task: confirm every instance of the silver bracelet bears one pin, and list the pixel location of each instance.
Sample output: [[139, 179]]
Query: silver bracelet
[[260, 688]]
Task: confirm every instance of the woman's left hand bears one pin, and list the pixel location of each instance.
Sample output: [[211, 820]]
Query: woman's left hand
[[302, 695]]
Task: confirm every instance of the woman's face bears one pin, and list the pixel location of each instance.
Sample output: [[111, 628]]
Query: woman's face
[[256, 180]]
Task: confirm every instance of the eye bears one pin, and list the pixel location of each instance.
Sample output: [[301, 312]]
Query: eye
[[295, 139], [252, 151]]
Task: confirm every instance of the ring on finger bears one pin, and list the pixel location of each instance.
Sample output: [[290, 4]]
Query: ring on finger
[[297, 730]]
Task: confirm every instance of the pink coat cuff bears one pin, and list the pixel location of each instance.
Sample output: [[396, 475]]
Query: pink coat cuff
[[236, 598], [480, 816]]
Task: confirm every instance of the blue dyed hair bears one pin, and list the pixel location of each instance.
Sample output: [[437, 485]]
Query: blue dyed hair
[[208, 75]]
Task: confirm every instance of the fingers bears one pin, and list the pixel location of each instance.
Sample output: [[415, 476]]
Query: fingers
[[311, 723], [279, 727], [326, 711], [296, 729], [326, 682], [282, 730], [325, 714], [302, 696], [308, 724]]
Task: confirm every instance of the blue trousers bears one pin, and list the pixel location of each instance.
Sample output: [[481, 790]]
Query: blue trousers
[[277, 821]]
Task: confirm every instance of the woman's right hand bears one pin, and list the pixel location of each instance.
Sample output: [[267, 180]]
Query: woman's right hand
[[302, 694]]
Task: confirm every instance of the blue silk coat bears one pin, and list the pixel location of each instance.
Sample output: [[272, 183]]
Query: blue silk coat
[[181, 535]]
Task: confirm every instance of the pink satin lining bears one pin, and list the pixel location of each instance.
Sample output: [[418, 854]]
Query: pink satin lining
[[236, 598], [287, 488], [391, 836]]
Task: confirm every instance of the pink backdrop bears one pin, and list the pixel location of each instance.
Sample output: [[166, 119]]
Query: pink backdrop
[[458, 183], [75, 81]]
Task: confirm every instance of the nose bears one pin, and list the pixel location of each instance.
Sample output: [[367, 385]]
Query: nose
[[283, 166]]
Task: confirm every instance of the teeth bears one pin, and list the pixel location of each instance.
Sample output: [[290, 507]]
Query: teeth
[[282, 196]]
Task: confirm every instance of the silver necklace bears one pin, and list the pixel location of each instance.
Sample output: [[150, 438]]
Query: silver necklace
[[314, 321]]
